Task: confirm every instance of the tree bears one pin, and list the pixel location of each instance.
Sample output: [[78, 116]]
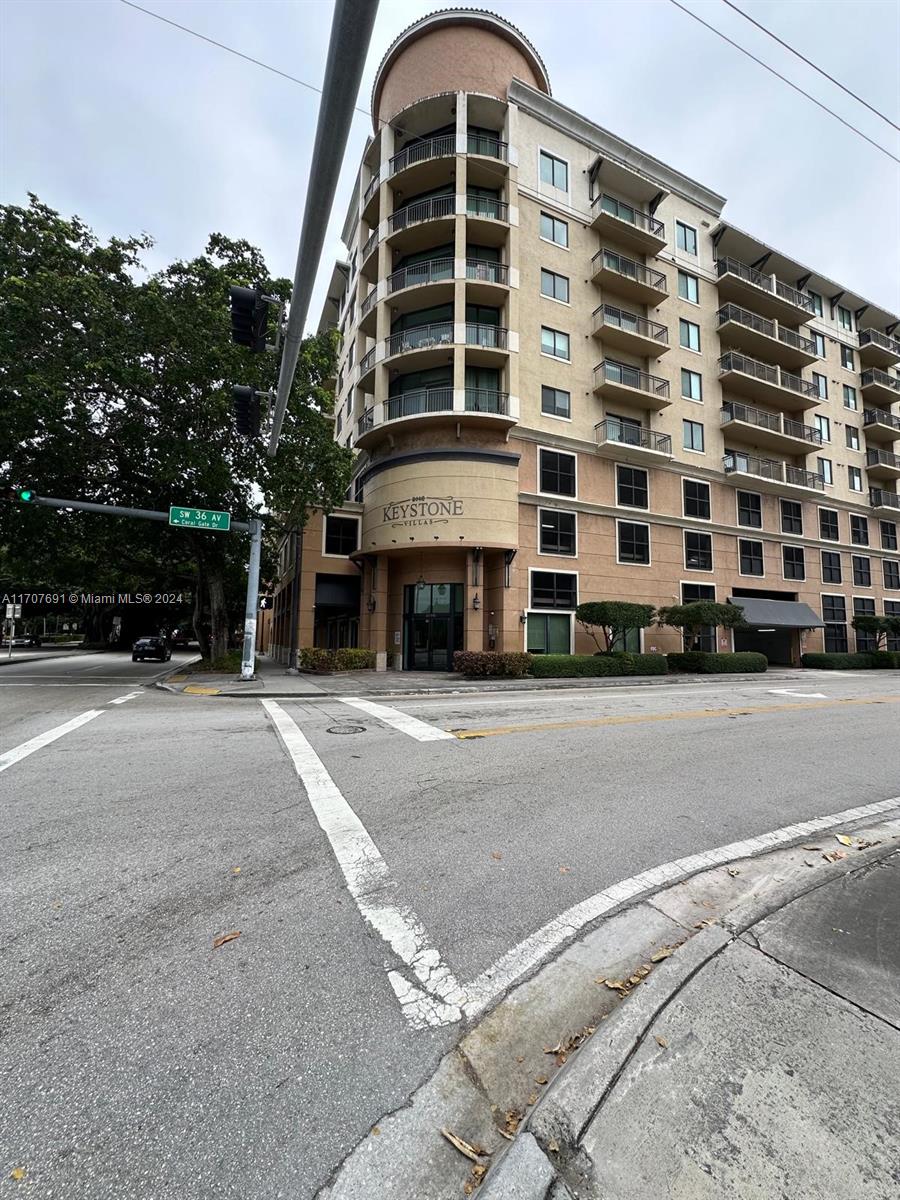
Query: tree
[[116, 388], [613, 618], [880, 627], [692, 619]]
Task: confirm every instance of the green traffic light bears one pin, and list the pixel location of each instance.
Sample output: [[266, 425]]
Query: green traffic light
[[25, 494]]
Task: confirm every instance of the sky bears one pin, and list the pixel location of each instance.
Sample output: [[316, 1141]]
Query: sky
[[138, 127]]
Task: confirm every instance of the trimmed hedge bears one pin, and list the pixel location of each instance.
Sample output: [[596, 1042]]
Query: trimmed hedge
[[314, 658], [581, 666], [702, 663], [354, 659], [494, 663], [885, 659]]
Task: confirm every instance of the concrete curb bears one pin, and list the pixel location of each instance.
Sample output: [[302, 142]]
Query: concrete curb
[[501, 1076]]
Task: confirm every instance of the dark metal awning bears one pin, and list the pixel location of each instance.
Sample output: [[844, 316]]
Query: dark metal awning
[[777, 614]]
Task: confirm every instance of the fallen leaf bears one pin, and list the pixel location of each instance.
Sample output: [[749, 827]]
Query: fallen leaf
[[235, 870], [225, 937], [17, 1173], [513, 1119], [376, 1130], [479, 1171], [600, 979], [843, 839], [541, 1079], [496, 855], [661, 954], [862, 844], [553, 1146], [810, 847], [533, 1098], [521, 1057], [809, 863], [732, 871], [469, 1187], [508, 1136], [561, 1059], [564, 870], [551, 1049], [615, 985], [834, 855], [472, 1152], [662, 1041]]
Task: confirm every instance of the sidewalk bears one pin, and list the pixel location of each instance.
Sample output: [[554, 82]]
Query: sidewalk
[[273, 682]]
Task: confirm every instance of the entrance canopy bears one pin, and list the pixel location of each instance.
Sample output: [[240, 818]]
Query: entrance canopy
[[777, 614]]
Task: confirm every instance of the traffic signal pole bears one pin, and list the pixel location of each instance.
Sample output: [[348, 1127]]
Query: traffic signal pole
[[248, 659]]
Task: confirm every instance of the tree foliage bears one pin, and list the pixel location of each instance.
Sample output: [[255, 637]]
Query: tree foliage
[[881, 627], [116, 387], [693, 618], [613, 619]]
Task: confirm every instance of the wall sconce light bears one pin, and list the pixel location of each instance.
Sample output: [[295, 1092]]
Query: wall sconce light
[[522, 618], [476, 603], [370, 604]]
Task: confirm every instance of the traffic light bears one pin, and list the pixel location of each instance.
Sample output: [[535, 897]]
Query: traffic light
[[249, 318], [246, 410], [25, 495]]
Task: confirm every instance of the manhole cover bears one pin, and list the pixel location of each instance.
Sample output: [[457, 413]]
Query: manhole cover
[[346, 729]]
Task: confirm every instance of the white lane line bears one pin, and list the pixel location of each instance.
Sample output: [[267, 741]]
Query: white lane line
[[550, 937], [806, 695], [44, 739], [420, 730], [122, 699], [370, 884]]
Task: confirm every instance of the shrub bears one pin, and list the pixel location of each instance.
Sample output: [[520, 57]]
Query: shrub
[[582, 666], [885, 659], [355, 659], [314, 658], [494, 663], [701, 663], [230, 661], [837, 662]]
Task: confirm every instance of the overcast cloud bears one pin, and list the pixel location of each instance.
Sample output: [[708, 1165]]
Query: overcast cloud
[[139, 127]]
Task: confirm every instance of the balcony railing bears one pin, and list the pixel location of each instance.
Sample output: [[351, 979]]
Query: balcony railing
[[486, 271], [432, 270], [492, 337], [882, 458], [609, 371], [486, 206], [435, 147], [770, 468], [768, 283], [879, 498], [368, 304], [872, 337], [365, 422], [372, 185], [487, 401], [876, 416], [767, 373], [414, 404], [488, 146], [750, 320], [422, 210], [873, 375], [626, 434], [367, 362], [421, 337], [627, 212], [771, 421], [608, 314], [797, 340], [371, 243], [612, 261]]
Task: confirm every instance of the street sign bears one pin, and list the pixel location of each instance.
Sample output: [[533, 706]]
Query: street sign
[[13, 610], [200, 518]]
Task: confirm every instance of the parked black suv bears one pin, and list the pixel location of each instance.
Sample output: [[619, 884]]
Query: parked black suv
[[150, 647]]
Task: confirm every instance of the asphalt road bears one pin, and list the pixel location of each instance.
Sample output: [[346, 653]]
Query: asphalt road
[[137, 1061]]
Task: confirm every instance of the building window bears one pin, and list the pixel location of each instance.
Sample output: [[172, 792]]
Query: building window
[[819, 344], [826, 474], [888, 535], [686, 238], [862, 571], [892, 609], [698, 554], [358, 489], [554, 171], [688, 334], [549, 633], [555, 286], [692, 436], [821, 385], [847, 358], [632, 488], [689, 287], [850, 400], [554, 589], [557, 472], [863, 607], [555, 343], [554, 230], [859, 530], [691, 385], [555, 402], [823, 425], [852, 435], [749, 506], [828, 525], [696, 499], [854, 475], [834, 614], [690, 594], [557, 531], [891, 569], [831, 567], [794, 565], [634, 542], [341, 535], [751, 557], [817, 303], [845, 318], [791, 516]]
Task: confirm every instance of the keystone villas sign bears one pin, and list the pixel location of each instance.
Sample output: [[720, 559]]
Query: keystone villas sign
[[423, 510]]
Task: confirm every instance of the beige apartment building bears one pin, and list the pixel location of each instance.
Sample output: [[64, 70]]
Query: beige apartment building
[[567, 377]]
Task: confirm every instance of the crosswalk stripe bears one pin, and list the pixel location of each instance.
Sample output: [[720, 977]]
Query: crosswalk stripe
[[420, 730]]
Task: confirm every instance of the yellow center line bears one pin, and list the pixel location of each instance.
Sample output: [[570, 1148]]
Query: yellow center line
[[698, 714]]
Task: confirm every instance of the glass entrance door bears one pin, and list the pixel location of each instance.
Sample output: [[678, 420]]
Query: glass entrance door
[[432, 626]]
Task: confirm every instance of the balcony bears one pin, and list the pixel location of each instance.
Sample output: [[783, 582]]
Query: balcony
[[436, 274], [474, 406], [422, 165], [412, 227], [370, 198], [880, 388], [768, 474], [484, 400], [486, 145], [747, 331], [626, 277], [880, 426], [626, 384], [486, 281], [889, 501], [881, 464], [366, 378], [878, 349], [428, 345], [627, 331], [624, 223], [487, 218], [762, 381], [771, 430], [367, 312], [764, 293], [367, 259], [628, 442], [365, 423], [488, 344], [424, 402]]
